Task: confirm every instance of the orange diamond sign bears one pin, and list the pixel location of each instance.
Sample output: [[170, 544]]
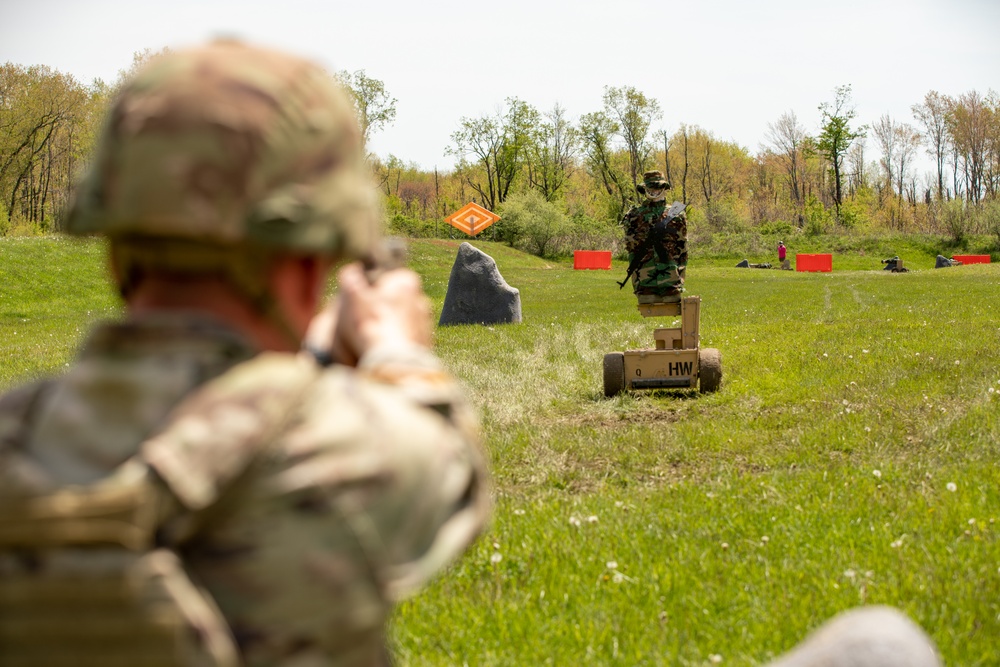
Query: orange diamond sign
[[472, 219]]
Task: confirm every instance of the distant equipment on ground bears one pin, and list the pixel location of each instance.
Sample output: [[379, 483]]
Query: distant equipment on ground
[[745, 264], [894, 264], [676, 362]]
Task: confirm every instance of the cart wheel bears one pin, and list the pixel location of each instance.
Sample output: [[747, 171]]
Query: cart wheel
[[614, 373], [709, 370]]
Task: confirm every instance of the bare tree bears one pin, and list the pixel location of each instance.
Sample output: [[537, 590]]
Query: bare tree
[[706, 172], [685, 147], [969, 126], [633, 113], [887, 137], [933, 116], [666, 155], [857, 167], [597, 132], [550, 156], [785, 137], [907, 144]]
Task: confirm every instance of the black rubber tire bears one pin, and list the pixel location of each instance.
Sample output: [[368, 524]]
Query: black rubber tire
[[709, 370], [614, 373]]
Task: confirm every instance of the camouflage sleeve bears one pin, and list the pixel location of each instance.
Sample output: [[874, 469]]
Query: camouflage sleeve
[[630, 224], [441, 501], [18, 414], [373, 482]]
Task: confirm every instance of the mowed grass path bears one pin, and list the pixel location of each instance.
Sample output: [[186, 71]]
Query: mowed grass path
[[850, 458]]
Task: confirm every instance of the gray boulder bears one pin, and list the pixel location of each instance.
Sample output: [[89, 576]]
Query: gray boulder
[[477, 293], [865, 637]]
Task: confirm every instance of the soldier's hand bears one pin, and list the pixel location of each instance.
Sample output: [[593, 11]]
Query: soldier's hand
[[393, 310]]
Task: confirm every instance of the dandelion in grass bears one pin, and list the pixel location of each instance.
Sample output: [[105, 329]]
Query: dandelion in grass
[[612, 565], [868, 429], [850, 574], [592, 519], [724, 545], [864, 351], [877, 474], [972, 522], [496, 558], [957, 362], [951, 486], [518, 512], [573, 521], [897, 543], [715, 658], [765, 539]]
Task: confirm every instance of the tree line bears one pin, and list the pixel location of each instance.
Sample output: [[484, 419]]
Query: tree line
[[561, 183], [557, 180]]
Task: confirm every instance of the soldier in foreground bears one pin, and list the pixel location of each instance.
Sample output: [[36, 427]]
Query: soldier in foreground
[[656, 240], [194, 490]]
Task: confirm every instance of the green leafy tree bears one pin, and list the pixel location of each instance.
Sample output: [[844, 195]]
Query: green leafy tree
[[606, 166], [499, 144], [633, 114], [40, 111], [786, 137], [836, 137], [375, 107]]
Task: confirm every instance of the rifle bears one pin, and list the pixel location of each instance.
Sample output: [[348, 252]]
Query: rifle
[[654, 241]]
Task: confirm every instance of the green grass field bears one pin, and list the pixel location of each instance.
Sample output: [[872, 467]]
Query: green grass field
[[849, 458]]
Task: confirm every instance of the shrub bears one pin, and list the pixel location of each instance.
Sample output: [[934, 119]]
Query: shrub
[[401, 224], [777, 228], [989, 219], [818, 218], [586, 233], [854, 214], [953, 217], [533, 223], [722, 216]]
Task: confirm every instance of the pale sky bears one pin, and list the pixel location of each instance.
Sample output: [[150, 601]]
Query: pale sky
[[728, 66]]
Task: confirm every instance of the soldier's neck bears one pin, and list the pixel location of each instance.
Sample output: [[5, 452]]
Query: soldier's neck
[[211, 298]]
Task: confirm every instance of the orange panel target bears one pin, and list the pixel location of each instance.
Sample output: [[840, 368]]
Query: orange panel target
[[472, 219]]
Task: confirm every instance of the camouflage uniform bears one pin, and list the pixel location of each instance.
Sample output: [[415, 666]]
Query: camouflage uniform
[[656, 278], [294, 503]]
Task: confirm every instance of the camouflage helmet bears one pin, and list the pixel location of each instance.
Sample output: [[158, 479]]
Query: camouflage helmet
[[231, 145], [653, 180]]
